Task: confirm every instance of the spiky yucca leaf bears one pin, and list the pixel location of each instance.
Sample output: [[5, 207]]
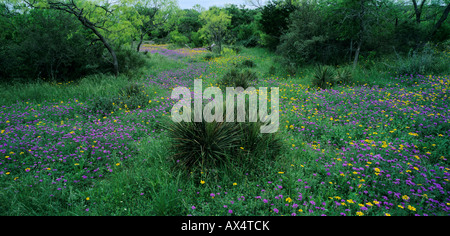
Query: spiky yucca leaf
[[202, 143], [343, 76], [323, 77], [236, 78]]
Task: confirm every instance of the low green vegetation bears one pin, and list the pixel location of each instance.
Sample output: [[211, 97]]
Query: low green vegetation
[[362, 134]]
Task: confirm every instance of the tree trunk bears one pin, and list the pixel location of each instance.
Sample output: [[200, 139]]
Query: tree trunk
[[418, 11], [351, 51], [440, 21], [355, 61], [140, 43], [362, 31], [110, 50], [435, 28], [89, 25]]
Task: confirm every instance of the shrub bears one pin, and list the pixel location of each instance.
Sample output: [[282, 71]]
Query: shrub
[[323, 77], [221, 144], [421, 62], [236, 49], [48, 45], [104, 105], [132, 97], [129, 60], [272, 70], [210, 56], [202, 144], [249, 63], [236, 78], [178, 38], [343, 76]]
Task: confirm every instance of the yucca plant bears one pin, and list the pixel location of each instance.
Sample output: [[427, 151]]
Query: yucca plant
[[202, 144], [236, 78], [221, 144], [323, 77], [211, 145], [343, 76]]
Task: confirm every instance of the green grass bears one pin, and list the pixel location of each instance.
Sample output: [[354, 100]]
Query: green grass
[[324, 162], [93, 86]]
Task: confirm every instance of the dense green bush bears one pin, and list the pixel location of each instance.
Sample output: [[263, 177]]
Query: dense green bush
[[307, 40], [237, 78], [129, 61], [53, 45], [212, 145], [48, 45], [249, 63], [323, 77], [422, 61], [354, 31], [178, 38], [274, 22]]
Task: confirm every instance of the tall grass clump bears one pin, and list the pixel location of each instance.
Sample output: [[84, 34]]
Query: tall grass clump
[[323, 77], [221, 145], [216, 145], [202, 144], [130, 97], [343, 76], [326, 76], [237, 78]]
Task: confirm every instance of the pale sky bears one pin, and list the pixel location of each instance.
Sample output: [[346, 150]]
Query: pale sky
[[188, 4]]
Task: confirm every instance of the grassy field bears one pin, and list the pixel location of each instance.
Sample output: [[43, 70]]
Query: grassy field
[[375, 147]]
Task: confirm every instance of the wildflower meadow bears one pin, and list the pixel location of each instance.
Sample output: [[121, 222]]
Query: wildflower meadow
[[360, 149]]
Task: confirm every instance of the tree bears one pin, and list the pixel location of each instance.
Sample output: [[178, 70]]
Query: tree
[[274, 22], [429, 17], [243, 26], [189, 24], [256, 3], [215, 25], [108, 20], [356, 20], [307, 39], [153, 14], [46, 43]]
